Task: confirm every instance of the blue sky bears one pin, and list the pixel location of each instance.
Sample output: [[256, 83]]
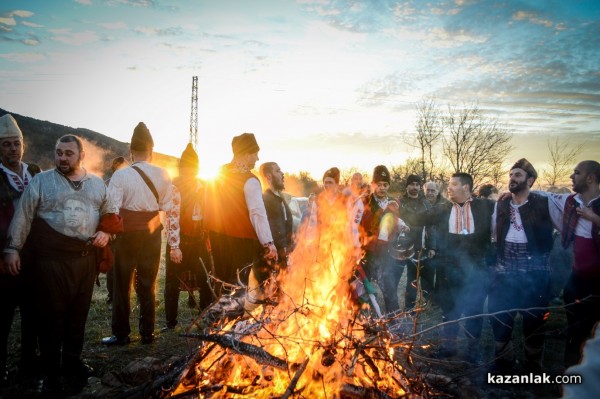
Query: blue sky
[[320, 82]]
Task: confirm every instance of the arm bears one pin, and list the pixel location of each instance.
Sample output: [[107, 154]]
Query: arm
[[556, 207], [258, 215], [20, 226], [173, 228]]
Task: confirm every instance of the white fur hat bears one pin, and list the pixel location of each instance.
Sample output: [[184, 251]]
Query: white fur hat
[[9, 127]]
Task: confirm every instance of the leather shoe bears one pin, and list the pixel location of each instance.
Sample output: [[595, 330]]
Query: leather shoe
[[147, 339], [114, 340]]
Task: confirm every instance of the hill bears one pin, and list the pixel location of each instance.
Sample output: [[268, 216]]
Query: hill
[[40, 138]]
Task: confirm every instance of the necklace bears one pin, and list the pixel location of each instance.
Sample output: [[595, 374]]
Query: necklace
[[76, 184]]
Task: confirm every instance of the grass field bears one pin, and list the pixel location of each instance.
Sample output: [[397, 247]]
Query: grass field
[[169, 346]]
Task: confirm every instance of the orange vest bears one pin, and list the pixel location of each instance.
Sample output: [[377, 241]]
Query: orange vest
[[226, 208]]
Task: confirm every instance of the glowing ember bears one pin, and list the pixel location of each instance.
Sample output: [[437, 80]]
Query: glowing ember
[[316, 342]]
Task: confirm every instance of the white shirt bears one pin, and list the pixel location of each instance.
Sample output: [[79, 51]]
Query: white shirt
[[516, 232], [556, 206], [128, 190], [257, 211]]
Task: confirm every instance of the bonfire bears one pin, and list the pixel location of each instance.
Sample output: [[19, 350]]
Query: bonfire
[[310, 339]]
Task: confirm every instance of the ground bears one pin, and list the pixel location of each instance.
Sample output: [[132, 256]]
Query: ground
[[454, 377]]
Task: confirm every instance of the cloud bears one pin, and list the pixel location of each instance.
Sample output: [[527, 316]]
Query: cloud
[[74, 39], [30, 42], [172, 31], [31, 24], [23, 57], [84, 2], [134, 3], [113, 25], [532, 18]]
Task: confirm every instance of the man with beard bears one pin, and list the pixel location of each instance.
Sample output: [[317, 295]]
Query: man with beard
[[15, 176], [415, 210], [461, 237], [577, 216], [236, 217], [64, 268], [381, 225], [521, 277]]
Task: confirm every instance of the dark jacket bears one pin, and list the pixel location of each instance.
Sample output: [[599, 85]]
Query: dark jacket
[[280, 220], [475, 244], [536, 223], [417, 213]]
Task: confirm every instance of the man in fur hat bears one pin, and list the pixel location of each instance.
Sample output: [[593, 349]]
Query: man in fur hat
[[186, 242], [140, 191], [381, 226], [236, 217], [15, 176], [521, 277]]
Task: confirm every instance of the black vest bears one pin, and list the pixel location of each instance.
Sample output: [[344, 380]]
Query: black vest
[[536, 223], [281, 228]]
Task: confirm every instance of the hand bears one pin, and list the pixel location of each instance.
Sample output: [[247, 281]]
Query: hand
[[176, 255], [100, 239], [504, 195], [431, 253], [588, 213], [271, 253], [12, 263], [393, 206]]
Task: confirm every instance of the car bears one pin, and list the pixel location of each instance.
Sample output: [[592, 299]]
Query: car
[[298, 206]]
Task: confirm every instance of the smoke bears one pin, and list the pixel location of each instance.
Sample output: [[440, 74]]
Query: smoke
[[95, 158]]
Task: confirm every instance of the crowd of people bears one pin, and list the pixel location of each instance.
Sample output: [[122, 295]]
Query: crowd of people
[[58, 226]]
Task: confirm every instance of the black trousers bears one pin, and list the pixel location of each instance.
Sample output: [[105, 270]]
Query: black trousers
[[520, 290], [581, 315], [231, 254], [192, 251], [18, 292], [64, 289], [137, 255], [461, 289]]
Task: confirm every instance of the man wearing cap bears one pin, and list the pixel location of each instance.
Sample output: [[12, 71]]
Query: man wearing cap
[[139, 191], [64, 266], [415, 210], [186, 241], [460, 238], [521, 277], [15, 176], [381, 225], [236, 217]]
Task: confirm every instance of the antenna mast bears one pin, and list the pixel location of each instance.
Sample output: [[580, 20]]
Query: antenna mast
[[194, 114]]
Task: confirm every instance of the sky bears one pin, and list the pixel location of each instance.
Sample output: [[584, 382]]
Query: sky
[[320, 83]]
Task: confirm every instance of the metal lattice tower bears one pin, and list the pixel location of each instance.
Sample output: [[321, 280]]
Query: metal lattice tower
[[194, 114]]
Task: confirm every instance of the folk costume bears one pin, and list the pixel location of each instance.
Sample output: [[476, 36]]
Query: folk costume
[[236, 217], [380, 224], [185, 232], [582, 289], [139, 191], [14, 291], [461, 238], [521, 277], [59, 216]]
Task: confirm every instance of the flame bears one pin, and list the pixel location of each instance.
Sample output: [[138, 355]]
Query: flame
[[315, 327]]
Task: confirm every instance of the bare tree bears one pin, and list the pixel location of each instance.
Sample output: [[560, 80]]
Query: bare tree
[[473, 143], [429, 133], [562, 160]]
